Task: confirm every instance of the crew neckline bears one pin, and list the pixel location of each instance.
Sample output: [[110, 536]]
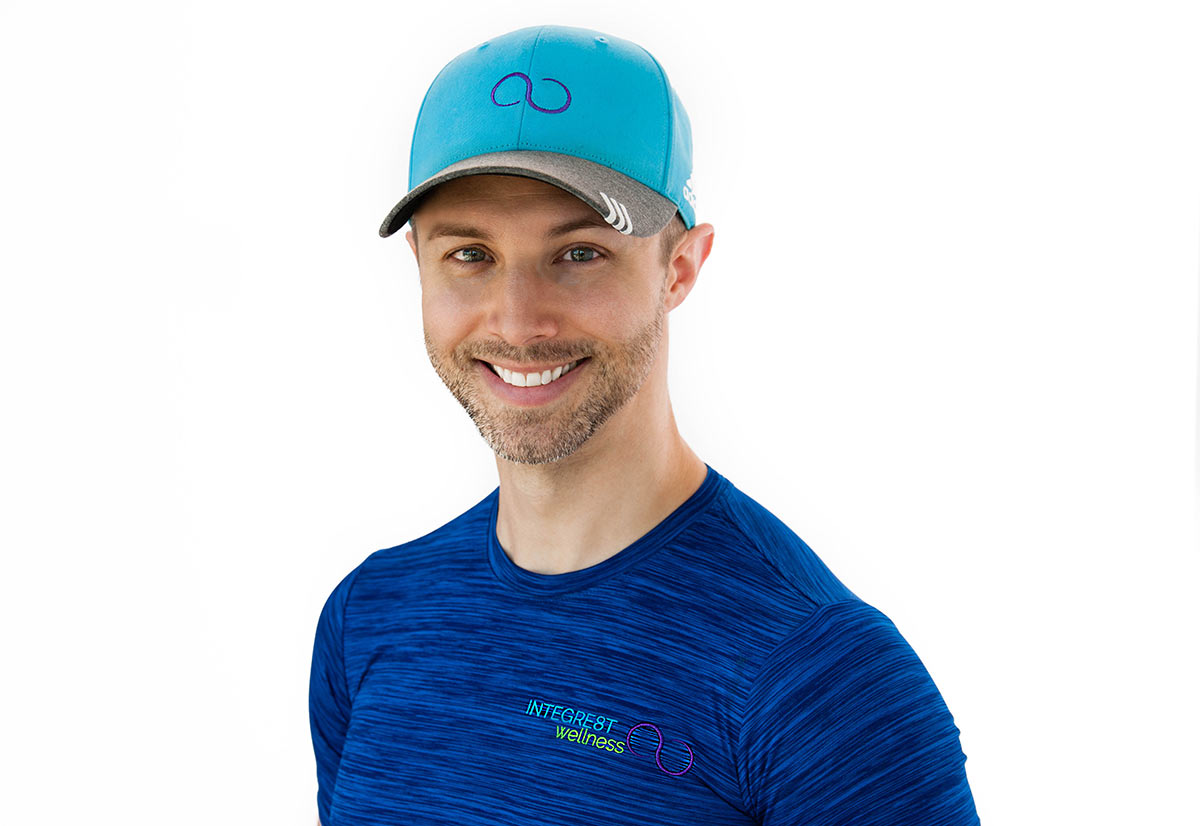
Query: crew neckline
[[513, 575]]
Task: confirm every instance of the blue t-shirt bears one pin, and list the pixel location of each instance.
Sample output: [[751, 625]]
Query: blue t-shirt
[[713, 672]]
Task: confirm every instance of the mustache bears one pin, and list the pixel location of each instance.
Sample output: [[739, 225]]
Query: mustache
[[550, 351]]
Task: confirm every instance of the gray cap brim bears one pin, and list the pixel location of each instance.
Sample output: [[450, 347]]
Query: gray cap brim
[[630, 206]]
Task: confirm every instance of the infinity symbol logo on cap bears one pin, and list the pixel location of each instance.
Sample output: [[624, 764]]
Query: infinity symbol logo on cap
[[529, 93]]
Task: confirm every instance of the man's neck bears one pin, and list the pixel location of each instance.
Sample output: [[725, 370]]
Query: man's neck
[[575, 513]]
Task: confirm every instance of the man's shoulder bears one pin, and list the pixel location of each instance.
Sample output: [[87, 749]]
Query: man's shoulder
[[763, 540], [426, 555], [462, 532]]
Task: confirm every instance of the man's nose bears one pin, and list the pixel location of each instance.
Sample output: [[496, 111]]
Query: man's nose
[[523, 305]]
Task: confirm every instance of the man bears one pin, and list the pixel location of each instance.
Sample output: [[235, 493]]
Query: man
[[616, 634]]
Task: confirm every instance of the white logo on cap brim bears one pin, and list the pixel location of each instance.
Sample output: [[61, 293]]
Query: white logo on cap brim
[[617, 215]]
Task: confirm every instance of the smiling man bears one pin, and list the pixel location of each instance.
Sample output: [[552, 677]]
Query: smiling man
[[616, 634], [548, 326]]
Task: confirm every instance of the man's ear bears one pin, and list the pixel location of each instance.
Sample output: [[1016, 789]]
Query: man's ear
[[684, 266], [412, 242]]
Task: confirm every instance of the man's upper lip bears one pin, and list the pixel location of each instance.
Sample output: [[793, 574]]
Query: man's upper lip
[[533, 368]]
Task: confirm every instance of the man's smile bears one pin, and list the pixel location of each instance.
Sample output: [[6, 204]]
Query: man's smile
[[527, 377], [539, 387]]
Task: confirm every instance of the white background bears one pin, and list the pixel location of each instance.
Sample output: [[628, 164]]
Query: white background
[[948, 333]]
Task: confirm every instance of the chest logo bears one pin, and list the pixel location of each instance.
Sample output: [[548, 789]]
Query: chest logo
[[602, 733]]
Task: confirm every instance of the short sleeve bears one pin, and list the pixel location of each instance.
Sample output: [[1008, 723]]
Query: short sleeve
[[843, 724], [328, 694]]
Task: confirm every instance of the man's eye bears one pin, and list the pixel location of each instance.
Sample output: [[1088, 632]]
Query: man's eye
[[581, 255], [468, 256]]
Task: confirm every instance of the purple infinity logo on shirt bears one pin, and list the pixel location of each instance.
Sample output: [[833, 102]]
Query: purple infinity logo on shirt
[[658, 750], [529, 93]]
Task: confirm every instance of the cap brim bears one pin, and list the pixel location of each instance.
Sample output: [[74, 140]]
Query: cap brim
[[630, 206]]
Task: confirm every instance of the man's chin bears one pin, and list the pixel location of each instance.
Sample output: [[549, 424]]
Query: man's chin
[[530, 459], [531, 449]]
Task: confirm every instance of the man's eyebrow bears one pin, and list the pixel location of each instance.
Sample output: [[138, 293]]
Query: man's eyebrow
[[466, 231], [593, 220], [457, 231]]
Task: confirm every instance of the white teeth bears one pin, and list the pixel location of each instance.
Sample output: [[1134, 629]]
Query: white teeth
[[532, 379]]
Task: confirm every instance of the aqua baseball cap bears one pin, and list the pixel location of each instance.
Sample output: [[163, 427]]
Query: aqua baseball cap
[[590, 113]]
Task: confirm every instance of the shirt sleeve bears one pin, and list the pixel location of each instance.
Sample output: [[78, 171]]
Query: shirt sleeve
[[843, 724], [328, 694]]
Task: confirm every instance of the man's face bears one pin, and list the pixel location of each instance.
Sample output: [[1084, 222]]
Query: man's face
[[521, 275]]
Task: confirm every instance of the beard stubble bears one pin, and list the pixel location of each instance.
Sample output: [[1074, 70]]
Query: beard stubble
[[540, 435]]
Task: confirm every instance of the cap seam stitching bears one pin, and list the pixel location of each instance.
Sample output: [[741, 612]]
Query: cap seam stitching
[[528, 73], [562, 150], [662, 75]]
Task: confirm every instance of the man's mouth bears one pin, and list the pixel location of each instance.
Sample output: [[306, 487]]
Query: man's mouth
[[533, 378]]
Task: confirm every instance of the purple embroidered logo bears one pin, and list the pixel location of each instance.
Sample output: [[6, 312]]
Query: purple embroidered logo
[[529, 93], [658, 749]]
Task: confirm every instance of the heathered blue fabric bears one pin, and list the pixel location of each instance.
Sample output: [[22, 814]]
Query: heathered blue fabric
[[713, 672]]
